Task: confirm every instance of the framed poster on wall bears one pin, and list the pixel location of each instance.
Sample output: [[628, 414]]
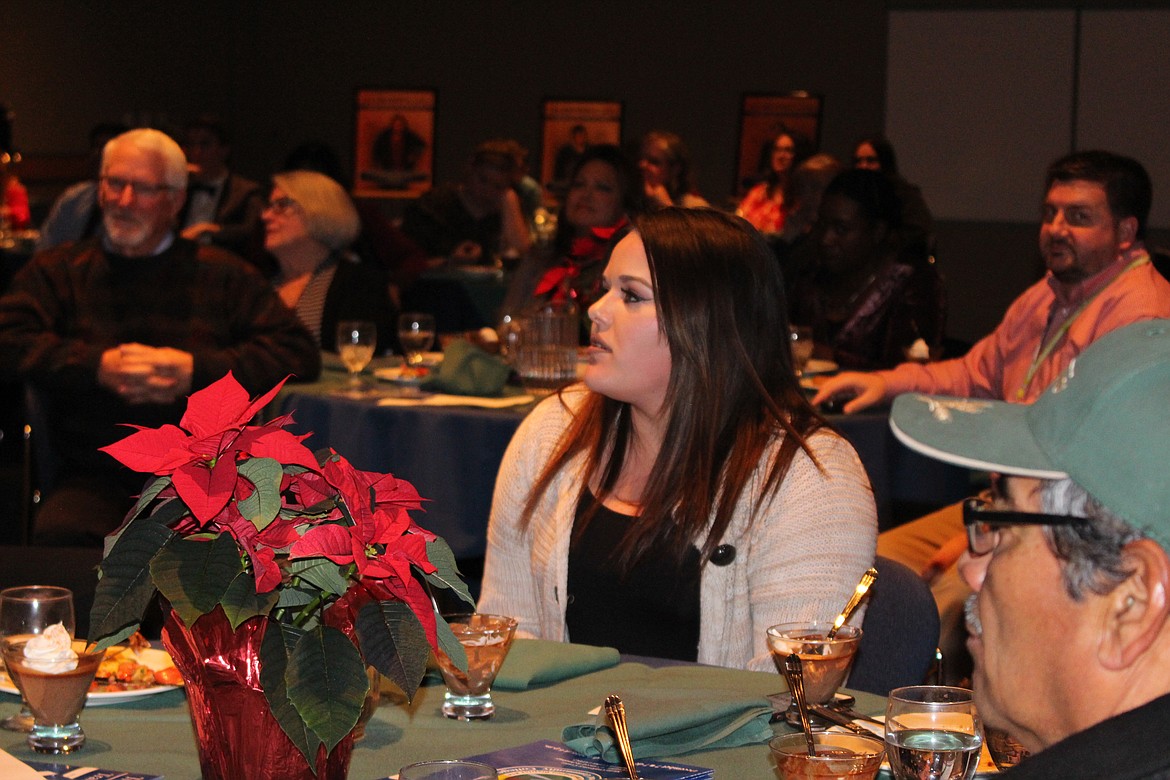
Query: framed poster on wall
[[394, 142], [761, 117], [568, 127]]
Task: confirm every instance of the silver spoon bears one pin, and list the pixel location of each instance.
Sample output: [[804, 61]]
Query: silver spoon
[[795, 675]]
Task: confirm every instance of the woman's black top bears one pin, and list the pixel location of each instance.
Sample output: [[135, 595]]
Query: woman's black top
[[653, 610]]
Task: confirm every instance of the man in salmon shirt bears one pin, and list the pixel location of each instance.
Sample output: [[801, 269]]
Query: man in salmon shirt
[[1099, 279]]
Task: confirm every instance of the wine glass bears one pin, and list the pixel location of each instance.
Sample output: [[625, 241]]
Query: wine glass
[[355, 344], [416, 334], [800, 338], [933, 733], [27, 610]]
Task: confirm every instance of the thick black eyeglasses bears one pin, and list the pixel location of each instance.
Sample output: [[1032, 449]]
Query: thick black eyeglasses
[[984, 520]]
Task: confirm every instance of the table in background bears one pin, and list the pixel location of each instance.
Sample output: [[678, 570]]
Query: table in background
[[154, 734], [451, 455]]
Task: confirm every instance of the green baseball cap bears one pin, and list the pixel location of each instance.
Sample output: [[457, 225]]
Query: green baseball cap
[[1104, 423]]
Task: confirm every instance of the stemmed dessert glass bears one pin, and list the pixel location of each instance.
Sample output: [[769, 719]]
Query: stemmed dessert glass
[[486, 639], [356, 340], [933, 731], [25, 611]]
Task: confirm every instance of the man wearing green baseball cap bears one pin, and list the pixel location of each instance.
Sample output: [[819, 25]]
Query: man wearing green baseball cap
[[1069, 556]]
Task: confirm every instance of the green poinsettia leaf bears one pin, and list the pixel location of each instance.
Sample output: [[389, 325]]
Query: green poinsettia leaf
[[195, 575], [327, 683], [394, 642], [149, 494], [124, 587], [321, 573], [449, 644], [446, 574], [241, 601], [277, 646], [262, 507], [294, 596]]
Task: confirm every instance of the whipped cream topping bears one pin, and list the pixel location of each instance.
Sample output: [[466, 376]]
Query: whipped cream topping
[[51, 651]]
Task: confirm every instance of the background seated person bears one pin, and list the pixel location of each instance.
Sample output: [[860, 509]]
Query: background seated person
[[768, 202], [866, 300], [115, 331], [310, 223], [222, 207], [75, 214], [687, 496], [472, 221], [604, 192], [665, 164], [875, 153]]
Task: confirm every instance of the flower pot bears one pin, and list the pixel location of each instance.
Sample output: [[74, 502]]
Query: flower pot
[[237, 736]]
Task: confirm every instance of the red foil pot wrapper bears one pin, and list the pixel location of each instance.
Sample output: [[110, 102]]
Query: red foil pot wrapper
[[236, 733]]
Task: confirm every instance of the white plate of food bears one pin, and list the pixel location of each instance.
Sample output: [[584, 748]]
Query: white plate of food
[[819, 366], [401, 375], [124, 675]]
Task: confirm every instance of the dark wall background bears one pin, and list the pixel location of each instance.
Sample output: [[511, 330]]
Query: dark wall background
[[284, 72], [281, 72]]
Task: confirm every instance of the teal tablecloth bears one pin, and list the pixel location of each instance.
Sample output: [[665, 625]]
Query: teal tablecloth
[[154, 734]]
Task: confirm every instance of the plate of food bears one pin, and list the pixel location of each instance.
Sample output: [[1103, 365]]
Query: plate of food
[[409, 376], [819, 366], [124, 674]]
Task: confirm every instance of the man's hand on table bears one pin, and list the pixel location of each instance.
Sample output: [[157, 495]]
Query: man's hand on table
[[866, 389], [142, 374]]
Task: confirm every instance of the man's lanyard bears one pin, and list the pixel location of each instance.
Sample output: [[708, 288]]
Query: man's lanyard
[[1046, 350]]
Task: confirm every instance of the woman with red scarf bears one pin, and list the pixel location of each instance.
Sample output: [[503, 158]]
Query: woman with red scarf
[[604, 192]]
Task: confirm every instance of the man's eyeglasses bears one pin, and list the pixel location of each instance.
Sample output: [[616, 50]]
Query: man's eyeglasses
[[281, 206], [983, 519], [116, 186]]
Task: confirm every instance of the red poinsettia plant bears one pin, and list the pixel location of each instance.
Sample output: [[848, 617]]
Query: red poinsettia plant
[[245, 518]]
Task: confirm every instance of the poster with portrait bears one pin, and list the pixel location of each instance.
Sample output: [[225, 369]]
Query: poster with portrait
[[394, 142], [569, 127], [761, 117]]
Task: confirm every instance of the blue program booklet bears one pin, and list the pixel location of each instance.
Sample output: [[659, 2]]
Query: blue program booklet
[[63, 772], [549, 760]]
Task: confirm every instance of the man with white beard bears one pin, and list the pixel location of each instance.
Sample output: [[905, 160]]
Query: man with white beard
[[121, 329], [1068, 556]]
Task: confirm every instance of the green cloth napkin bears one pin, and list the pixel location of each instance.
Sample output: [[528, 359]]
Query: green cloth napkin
[[674, 717], [467, 370], [533, 662]]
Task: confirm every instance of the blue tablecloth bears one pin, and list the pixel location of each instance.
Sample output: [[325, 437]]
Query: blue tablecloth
[[451, 455]]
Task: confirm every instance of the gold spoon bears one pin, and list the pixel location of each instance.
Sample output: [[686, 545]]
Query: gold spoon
[[617, 716], [859, 592]]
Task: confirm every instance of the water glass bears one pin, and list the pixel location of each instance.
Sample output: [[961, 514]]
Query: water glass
[[356, 341], [800, 338], [416, 334], [448, 770], [486, 638], [837, 756], [546, 348], [933, 732], [26, 610], [825, 662]]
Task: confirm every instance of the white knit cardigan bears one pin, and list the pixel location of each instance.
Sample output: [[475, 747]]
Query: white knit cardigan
[[799, 560]]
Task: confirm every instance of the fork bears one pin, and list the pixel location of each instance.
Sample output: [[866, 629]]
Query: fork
[[617, 716]]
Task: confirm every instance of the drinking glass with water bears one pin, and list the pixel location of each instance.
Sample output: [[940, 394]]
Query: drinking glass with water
[[932, 733]]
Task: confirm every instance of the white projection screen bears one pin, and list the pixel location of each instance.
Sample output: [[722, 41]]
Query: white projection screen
[[979, 101]]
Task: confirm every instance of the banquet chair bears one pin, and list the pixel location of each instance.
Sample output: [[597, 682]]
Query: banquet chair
[[899, 633]]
